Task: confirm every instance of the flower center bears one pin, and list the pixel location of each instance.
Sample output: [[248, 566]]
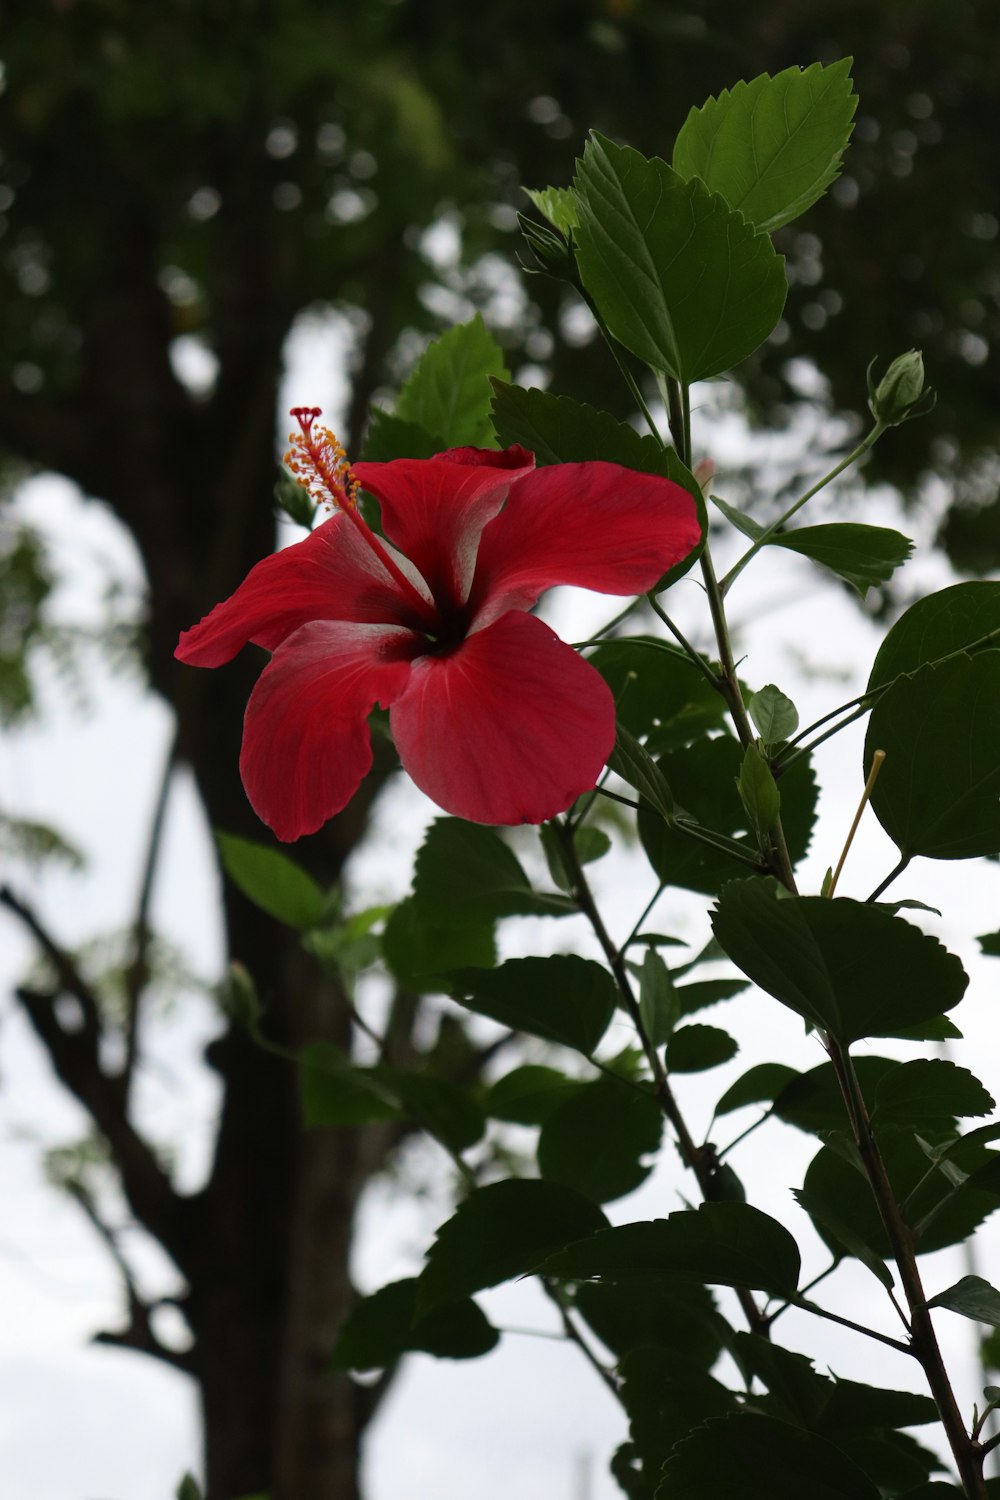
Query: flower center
[[319, 464]]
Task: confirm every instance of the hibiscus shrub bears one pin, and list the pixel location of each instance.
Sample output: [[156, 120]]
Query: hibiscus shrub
[[415, 592]]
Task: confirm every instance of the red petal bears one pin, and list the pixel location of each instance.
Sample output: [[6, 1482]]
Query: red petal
[[434, 509], [305, 736], [331, 575], [595, 525], [509, 728]]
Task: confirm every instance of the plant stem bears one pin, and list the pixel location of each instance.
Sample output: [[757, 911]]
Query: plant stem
[[696, 657], [832, 1317], [897, 869], [629, 378], [866, 442], [573, 1333], [878, 760]]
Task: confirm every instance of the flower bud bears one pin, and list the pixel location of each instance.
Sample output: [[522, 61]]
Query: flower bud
[[552, 251], [901, 393]]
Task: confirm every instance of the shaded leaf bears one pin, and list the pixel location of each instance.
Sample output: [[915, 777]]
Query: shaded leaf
[[499, 1232], [705, 992], [381, 1328], [929, 1088], [953, 619], [448, 392], [658, 691], [771, 147], [841, 1237], [635, 765], [665, 1396], [731, 1244], [335, 1092], [658, 1005], [938, 793], [759, 793], [420, 948], [466, 871], [738, 518], [682, 281], [693, 1049], [528, 1095], [813, 1101], [759, 1458], [595, 1140], [863, 556], [679, 1315], [272, 881], [842, 965], [562, 998], [388, 437], [973, 1298], [443, 1107], [758, 1085]]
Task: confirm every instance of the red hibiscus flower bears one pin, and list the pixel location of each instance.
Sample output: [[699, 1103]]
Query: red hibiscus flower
[[493, 716]]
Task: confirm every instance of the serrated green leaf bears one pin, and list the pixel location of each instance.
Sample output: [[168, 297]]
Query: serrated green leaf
[[729, 1244], [388, 437], [973, 1298], [771, 147], [759, 793], [448, 393], [682, 281], [665, 1396], [658, 691], [706, 992], [272, 881], [758, 1085], [421, 948], [938, 793], [465, 871], [590, 843], [558, 205], [676, 1314], [335, 1092], [953, 619], [754, 1457], [499, 1232], [841, 1237], [842, 965], [562, 998], [929, 1088], [559, 430], [596, 1140], [813, 1101], [864, 556], [694, 1049], [774, 714], [658, 1007], [528, 1095], [382, 1327], [445, 1109]]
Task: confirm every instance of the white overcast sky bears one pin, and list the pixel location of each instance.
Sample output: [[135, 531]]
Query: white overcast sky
[[79, 1422]]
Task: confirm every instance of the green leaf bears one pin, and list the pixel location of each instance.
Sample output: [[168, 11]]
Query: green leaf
[[738, 518], [951, 620], [775, 716], [680, 278], [388, 437], [771, 147], [730, 1244], [633, 763], [666, 1396], [679, 1315], [840, 1236], [595, 1140], [693, 1049], [813, 1101], [938, 793], [559, 430], [705, 992], [272, 881], [863, 556], [443, 1107], [499, 1232], [844, 966], [562, 998], [658, 691], [465, 871], [759, 793], [420, 948], [335, 1092], [752, 1457], [448, 392], [188, 1489], [989, 943], [529, 1095], [929, 1088], [973, 1298], [381, 1328], [758, 1085], [658, 1006], [703, 781], [558, 205], [591, 844]]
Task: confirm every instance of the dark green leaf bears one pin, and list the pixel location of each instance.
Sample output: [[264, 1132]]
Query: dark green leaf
[[693, 1049], [465, 871], [188, 1489], [683, 281], [335, 1092], [759, 1458], [928, 1088], [842, 965], [894, 1460], [989, 943], [679, 1315], [658, 691], [499, 1232], [938, 793], [758, 1085], [813, 1101], [703, 781], [951, 620], [635, 765], [705, 992], [388, 437], [852, 1404], [666, 1396], [730, 1244], [595, 1141], [272, 881], [448, 392], [775, 716], [973, 1298], [863, 556], [658, 1005], [444, 1108], [420, 948], [562, 998], [758, 793], [528, 1095], [743, 523], [771, 147], [382, 1328], [840, 1236]]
